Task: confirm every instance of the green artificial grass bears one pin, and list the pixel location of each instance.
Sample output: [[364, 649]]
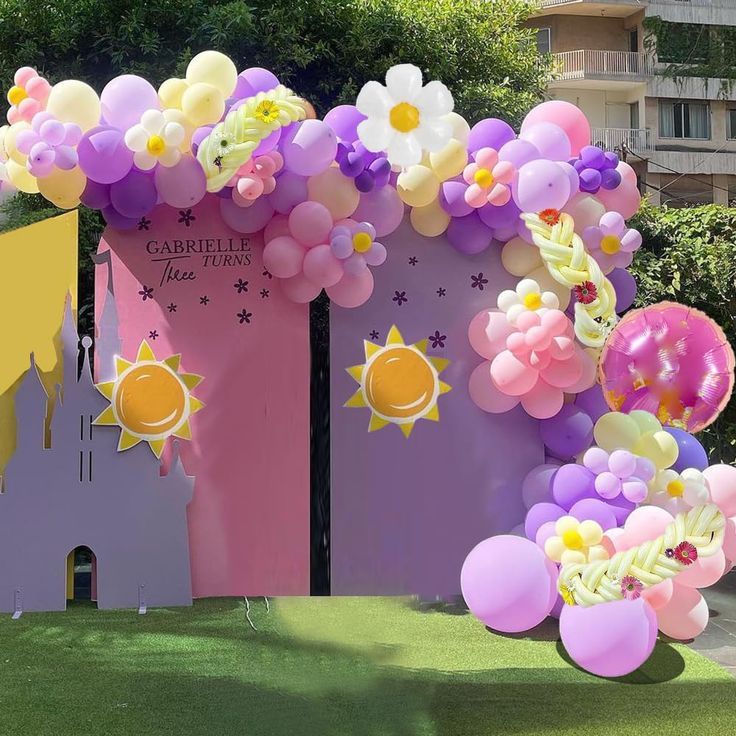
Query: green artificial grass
[[342, 666]]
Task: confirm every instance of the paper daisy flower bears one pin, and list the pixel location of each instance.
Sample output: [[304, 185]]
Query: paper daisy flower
[[575, 541], [527, 297], [686, 553], [631, 587], [611, 243], [155, 141], [404, 118], [676, 492]]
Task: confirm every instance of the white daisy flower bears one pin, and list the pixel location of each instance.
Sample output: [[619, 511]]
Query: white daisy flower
[[527, 297], [405, 118], [155, 140], [676, 492]]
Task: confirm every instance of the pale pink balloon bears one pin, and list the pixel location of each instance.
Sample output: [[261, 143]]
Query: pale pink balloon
[[487, 333], [613, 541], [321, 267], [565, 115], [563, 373], [588, 375], [543, 401], [278, 225], [484, 393], [644, 524], [625, 199], [511, 375], [544, 532], [729, 539], [658, 595], [685, 615], [23, 75], [300, 289], [722, 482], [704, 572], [585, 210], [283, 257], [310, 223], [352, 291], [627, 173]]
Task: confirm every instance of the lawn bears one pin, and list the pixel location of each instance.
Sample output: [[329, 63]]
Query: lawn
[[347, 666]]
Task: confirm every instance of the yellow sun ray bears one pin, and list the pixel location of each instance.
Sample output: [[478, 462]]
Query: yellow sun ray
[[439, 363], [195, 404], [106, 417], [106, 388], [433, 414], [144, 353], [157, 446], [394, 336], [121, 364], [370, 348], [184, 432], [173, 361], [190, 380], [407, 428], [356, 399], [356, 371], [127, 441], [445, 387], [376, 423], [421, 346]]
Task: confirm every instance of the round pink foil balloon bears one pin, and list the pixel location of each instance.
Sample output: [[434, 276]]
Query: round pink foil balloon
[[609, 639], [509, 583], [685, 616]]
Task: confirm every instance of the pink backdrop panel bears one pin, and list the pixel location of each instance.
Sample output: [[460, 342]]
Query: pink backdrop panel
[[189, 284]]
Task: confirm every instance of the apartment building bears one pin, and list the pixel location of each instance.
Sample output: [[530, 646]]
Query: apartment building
[[639, 69]]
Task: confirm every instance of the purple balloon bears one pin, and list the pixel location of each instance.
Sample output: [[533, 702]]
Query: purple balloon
[[247, 219], [509, 597], [571, 484], [96, 196], [592, 402], [537, 485], [692, 453], [567, 433], [542, 184], [505, 216], [490, 133], [115, 220], [382, 208], [125, 98], [550, 140], [291, 190], [103, 155], [592, 157], [609, 639], [621, 508], [344, 120], [452, 198], [468, 234], [309, 147], [268, 143], [590, 180], [539, 514], [518, 152], [254, 80], [610, 178], [135, 195], [572, 175], [183, 185], [624, 285], [596, 510]]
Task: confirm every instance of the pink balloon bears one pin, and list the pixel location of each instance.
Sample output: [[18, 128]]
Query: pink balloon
[[321, 267], [351, 290], [511, 375], [484, 393], [283, 257], [182, 185], [644, 524], [300, 289], [382, 208], [310, 223], [729, 540], [549, 139], [609, 639], [658, 595], [722, 482], [543, 401], [246, 219], [563, 373], [685, 615], [509, 598], [277, 225], [587, 377], [567, 116], [627, 173], [487, 333], [625, 199], [704, 572]]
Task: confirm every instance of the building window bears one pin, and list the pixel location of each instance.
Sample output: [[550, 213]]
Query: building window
[[731, 123], [684, 120], [544, 40]]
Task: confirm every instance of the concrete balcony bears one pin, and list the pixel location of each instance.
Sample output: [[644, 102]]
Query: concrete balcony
[[688, 88], [607, 8], [691, 162], [708, 12], [637, 140], [592, 69]]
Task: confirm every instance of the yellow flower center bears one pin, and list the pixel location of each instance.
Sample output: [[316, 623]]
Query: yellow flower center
[[533, 300], [483, 178], [156, 145], [16, 95], [610, 245], [675, 488], [404, 117], [572, 539], [267, 111], [362, 242]]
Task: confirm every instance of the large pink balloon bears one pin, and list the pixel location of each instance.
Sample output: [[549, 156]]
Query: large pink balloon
[[300, 289], [609, 639], [278, 225], [484, 393], [382, 208], [567, 116], [183, 185], [722, 482], [283, 257], [644, 524], [321, 267], [487, 333], [704, 572], [125, 98], [246, 219], [511, 375], [625, 199], [543, 401], [310, 223], [685, 616], [509, 597], [658, 595], [351, 290]]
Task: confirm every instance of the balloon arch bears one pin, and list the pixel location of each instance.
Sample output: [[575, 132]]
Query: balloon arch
[[627, 519]]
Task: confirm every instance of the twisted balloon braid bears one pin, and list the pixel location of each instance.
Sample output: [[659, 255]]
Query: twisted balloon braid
[[650, 563], [567, 261], [232, 142]]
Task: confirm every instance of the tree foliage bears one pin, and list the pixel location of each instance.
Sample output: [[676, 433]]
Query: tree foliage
[[689, 256]]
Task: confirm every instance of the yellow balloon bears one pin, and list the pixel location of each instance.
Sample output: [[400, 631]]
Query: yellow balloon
[[171, 91], [418, 186], [450, 161], [3, 151], [203, 104], [460, 127], [585, 210], [430, 220], [646, 420], [212, 67], [72, 101], [172, 115], [10, 143], [334, 191], [21, 178], [616, 431], [660, 447], [519, 257], [63, 188]]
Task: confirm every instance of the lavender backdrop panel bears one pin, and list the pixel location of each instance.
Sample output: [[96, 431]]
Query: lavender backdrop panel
[[405, 512]]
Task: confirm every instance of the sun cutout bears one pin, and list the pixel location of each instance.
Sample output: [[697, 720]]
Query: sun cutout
[[399, 383], [149, 400]]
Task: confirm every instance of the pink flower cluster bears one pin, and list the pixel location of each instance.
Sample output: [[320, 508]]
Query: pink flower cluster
[[533, 362], [27, 96], [256, 177]]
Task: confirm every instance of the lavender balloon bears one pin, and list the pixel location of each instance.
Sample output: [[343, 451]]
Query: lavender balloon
[[308, 147], [254, 80], [468, 234], [344, 120], [103, 155], [490, 133], [572, 483], [624, 285], [452, 198], [568, 432], [692, 453], [539, 514], [596, 510], [135, 195]]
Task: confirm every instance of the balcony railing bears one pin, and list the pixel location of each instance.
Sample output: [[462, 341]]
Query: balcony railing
[[587, 63], [552, 3], [635, 139]]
